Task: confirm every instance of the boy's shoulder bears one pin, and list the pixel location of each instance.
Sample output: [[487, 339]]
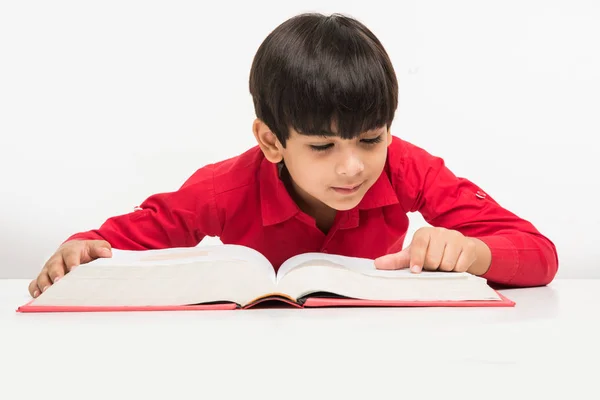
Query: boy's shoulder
[[409, 168], [405, 158], [230, 174]]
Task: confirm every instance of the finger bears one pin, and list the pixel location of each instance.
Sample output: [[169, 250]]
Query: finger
[[55, 268], [98, 249], [450, 257], [394, 261], [34, 291], [43, 281], [418, 251], [71, 259], [465, 260], [435, 252]]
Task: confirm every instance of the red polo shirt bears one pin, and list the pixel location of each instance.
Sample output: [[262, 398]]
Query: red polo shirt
[[242, 201]]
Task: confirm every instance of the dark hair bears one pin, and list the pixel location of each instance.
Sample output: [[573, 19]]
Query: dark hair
[[315, 72]]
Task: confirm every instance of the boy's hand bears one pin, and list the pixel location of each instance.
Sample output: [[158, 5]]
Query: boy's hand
[[440, 249], [68, 256]]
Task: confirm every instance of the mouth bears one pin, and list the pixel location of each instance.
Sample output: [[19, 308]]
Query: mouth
[[347, 189]]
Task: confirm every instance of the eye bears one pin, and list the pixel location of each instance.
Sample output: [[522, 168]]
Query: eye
[[321, 148], [372, 141]]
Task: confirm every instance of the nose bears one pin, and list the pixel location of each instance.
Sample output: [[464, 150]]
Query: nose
[[350, 165]]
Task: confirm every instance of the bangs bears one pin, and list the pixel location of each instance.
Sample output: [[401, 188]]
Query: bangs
[[343, 95], [323, 76]]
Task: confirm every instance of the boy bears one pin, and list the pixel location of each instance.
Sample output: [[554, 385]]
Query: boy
[[327, 176]]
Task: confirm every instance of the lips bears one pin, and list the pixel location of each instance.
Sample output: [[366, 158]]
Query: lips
[[347, 189]]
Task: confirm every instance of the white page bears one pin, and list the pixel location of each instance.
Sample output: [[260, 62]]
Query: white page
[[151, 284], [314, 277], [169, 276], [187, 255], [364, 266]]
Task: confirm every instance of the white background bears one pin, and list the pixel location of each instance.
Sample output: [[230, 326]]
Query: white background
[[105, 103]]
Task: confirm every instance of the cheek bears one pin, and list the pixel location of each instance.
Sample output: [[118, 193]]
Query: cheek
[[310, 175], [380, 165], [377, 161]]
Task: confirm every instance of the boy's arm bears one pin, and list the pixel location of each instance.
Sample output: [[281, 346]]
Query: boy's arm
[[176, 219], [521, 255]]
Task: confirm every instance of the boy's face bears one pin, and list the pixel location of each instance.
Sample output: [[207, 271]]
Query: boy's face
[[331, 171]]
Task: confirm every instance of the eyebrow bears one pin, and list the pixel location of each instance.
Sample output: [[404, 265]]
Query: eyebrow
[[328, 135]]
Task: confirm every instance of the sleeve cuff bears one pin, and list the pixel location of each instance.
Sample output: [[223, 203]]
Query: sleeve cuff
[[505, 259]]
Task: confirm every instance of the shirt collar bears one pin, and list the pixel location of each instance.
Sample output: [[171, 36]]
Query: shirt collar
[[277, 205], [275, 201], [381, 194]]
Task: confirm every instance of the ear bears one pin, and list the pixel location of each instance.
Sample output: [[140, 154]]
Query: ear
[[267, 141], [389, 137]]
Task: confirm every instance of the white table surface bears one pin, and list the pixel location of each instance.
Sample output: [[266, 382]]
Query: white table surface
[[548, 344]]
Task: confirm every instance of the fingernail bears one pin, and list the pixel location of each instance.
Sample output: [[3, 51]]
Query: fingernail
[[45, 287], [36, 293], [57, 279], [415, 268]]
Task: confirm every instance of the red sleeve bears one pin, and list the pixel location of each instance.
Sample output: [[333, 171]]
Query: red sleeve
[[521, 255], [175, 219]]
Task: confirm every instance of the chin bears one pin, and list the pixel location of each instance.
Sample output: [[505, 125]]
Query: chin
[[344, 205], [342, 208]]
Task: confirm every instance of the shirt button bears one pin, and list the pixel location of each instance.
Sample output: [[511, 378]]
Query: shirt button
[[324, 251], [480, 194]]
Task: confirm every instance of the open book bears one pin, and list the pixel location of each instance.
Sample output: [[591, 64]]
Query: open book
[[233, 276]]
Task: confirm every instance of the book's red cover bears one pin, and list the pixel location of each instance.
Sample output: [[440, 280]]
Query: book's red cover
[[311, 302]]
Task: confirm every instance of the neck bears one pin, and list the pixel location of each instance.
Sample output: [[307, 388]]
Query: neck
[[322, 213]]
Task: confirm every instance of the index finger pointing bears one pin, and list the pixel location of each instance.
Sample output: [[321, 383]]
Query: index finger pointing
[[418, 251]]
